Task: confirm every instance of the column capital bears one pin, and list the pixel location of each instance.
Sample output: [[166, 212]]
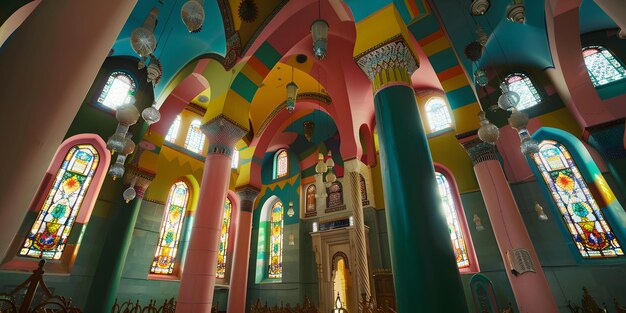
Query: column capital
[[222, 133], [352, 165], [390, 62], [479, 151], [247, 195], [142, 179]]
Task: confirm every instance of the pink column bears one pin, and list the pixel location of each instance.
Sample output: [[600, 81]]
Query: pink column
[[48, 66], [198, 279], [531, 289], [241, 256]]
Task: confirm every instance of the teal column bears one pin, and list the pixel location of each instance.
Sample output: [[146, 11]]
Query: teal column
[[425, 273], [110, 266]]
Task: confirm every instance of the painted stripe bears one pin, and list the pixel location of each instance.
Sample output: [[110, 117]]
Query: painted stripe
[[430, 38], [443, 60], [268, 55], [436, 46], [425, 27], [450, 73], [460, 97], [454, 83], [243, 86], [258, 66], [412, 7]]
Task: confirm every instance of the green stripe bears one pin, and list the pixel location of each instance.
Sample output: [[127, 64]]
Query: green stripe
[[443, 60], [268, 55], [244, 87], [461, 97]]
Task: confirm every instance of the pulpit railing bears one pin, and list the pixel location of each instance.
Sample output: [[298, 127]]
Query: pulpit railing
[[29, 302], [306, 307], [370, 306]]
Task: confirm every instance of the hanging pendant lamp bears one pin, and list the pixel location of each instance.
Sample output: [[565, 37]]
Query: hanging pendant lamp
[[192, 14], [292, 94], [142, 39]]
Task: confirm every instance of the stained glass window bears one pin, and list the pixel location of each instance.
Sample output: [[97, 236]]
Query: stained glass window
[[195, 138], [437, 114], [48, 234], [171, 226], [281, 164], [363, 186], [172, 133], [119, 89], [310, 200], [602, 66], [580, 212], [454, 224], [523, 86], [335, 195], [223, 249], [234, 163], [276, 241]]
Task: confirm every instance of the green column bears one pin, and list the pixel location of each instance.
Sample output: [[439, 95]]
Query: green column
[[425, 273], [110, 266]]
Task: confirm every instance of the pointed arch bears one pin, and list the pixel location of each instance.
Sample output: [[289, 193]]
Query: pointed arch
[[460, 235], [310, 201], [62, 205], [590, 215]]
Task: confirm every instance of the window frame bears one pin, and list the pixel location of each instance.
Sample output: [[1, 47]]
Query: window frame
[[15, 262], [98, 94], [192, 132], [275, 175], [618, 60], [447, 109], [474, 266]]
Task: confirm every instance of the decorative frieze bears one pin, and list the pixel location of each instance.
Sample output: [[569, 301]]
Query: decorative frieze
[[222, 134], [388, 63], [479, 151], [247, 195]]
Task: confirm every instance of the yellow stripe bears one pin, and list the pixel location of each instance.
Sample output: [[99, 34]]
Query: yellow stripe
[[454, 83], [435, 46], [466, 117]]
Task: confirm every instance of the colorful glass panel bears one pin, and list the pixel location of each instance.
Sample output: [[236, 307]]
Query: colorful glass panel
[[602, 66], [48, 234], [438, 114], [223, 249], [172, 133], [364, 200], [527, 92], [580, 212], [119, 89], [195, 138], [276, 241], [310, 199], [171, 227], [234, 163], [454, 225], [335, 195], [281, 164]]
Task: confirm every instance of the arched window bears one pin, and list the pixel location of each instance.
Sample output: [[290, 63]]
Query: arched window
[[119, 89], [223, 249], [310, 209], [335, 195], [171, 226], [48, 234], [172, 133], [454, 223], [363, 186], [602, 66], [523, 86], [234, 163], [281, 164], [438, 114], [579, 211], [195, 138], [275, 269]]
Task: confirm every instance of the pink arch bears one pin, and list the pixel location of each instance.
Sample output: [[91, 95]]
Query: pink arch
[[369, 156], [180, 97], [471, 253], [276, 126]]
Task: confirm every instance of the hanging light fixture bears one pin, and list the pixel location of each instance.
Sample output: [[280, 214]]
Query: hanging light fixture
[[487, 132], [154, 70], [309, 127], [290, 212], [151, 114], [126, 115], [330, 176], [320, 167], [479, 7], [130, 193], [480, 77], [142, 39], [319, 32], [292, 94], [515, 12], [478, 223], [192, 14], [117, 170], [508, 100], [519, 121]]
